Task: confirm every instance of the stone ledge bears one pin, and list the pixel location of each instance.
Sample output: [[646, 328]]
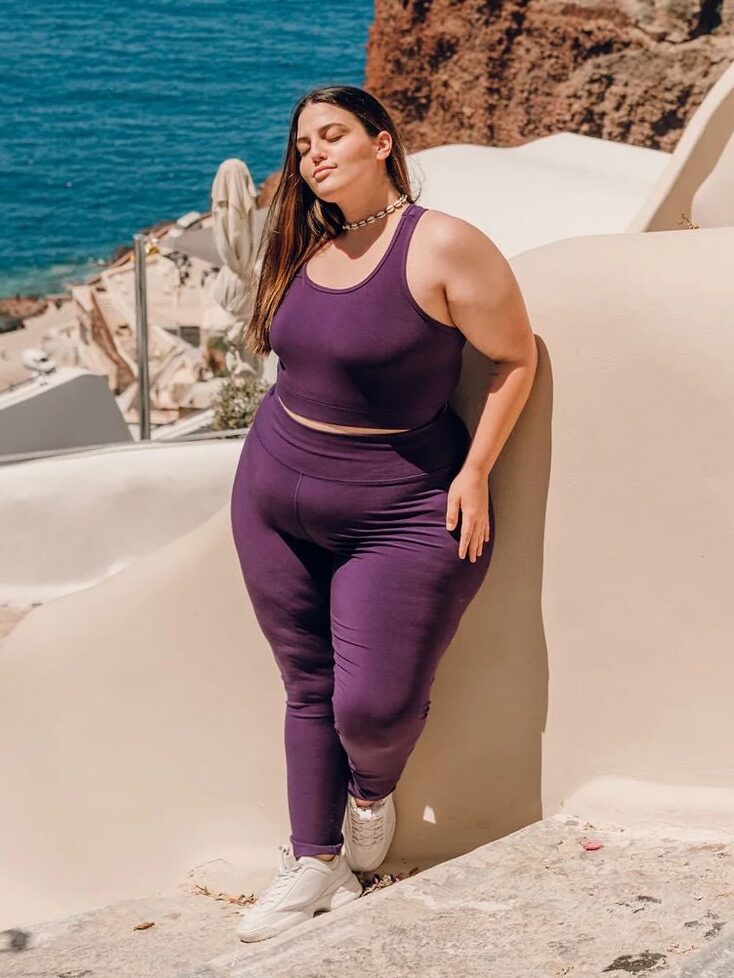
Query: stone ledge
[[535, 904]]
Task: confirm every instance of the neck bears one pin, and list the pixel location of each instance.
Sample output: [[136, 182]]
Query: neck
[[361, 211]]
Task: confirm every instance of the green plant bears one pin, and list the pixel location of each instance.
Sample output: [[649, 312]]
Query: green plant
[[219, 343], [237, 401]]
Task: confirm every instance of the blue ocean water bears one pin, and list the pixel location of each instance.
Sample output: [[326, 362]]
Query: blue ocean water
[[116, 115]]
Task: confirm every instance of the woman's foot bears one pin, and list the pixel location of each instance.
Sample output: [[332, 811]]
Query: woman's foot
[[302, 887], [368, 832]]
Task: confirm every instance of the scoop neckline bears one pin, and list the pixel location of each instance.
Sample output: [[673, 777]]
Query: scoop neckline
[[352, 288]]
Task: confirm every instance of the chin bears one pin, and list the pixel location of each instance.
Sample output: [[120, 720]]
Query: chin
[[328, 199], [326, 192]]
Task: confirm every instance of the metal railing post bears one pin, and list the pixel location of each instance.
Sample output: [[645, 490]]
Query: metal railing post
[[141, 335]]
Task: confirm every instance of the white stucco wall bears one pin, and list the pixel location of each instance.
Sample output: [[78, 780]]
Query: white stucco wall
[[141, 719]]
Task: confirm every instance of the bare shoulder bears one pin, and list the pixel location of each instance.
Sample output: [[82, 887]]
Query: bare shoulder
[[458, 242], [482, 294]]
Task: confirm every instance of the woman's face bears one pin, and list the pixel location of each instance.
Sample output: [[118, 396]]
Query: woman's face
[[336, 152]]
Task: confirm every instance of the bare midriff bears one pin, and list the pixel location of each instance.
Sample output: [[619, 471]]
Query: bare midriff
[[339, 428]]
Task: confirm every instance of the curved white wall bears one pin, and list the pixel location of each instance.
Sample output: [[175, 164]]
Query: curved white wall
[[558, 186], [713, 202], [68, 521], [141, 719], [694, 157]]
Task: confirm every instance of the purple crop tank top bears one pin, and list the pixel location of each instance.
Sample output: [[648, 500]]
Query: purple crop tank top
[[365, 356]]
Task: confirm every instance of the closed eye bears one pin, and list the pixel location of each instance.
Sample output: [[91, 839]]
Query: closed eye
[[333, 139]]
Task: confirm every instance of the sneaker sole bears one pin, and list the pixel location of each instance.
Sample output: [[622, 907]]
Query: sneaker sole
[[338, 898]]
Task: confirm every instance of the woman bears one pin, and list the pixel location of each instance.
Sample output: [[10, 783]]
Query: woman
[[360, 508]]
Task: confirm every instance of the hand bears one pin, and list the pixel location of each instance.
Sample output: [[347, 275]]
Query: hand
[[469, 493]]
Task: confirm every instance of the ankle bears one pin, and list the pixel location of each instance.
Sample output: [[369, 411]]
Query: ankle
[[365, 804]]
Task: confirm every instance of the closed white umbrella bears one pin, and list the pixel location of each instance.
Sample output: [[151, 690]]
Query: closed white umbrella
[[233, 208]]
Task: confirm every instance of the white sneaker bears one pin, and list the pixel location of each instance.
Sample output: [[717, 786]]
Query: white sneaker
[[300, 888], [368, 832]]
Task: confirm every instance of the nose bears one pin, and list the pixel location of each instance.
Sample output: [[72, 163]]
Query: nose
[[318, 157]]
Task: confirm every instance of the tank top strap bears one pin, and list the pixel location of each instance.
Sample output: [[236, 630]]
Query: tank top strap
[[398, 250], [405, 231]]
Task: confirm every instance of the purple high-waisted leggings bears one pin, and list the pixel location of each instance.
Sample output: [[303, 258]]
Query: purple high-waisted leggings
[[357, 585]]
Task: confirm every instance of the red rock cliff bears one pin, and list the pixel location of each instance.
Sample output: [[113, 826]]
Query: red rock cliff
[[502, 72]]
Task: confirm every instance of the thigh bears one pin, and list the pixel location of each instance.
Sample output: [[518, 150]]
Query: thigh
[[287, 577], [397, 600]]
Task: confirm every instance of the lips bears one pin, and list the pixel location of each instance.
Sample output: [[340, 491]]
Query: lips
[[323, 169]]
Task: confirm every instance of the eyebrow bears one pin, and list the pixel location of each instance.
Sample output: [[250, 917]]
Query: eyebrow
[[303, 139]]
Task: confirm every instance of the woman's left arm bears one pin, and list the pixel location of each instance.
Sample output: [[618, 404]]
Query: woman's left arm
[[486, 304]]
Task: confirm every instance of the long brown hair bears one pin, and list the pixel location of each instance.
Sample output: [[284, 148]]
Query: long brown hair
[[298, 222]]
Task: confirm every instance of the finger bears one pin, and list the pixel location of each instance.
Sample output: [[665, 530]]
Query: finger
[[479, 540], [476, 545], [469, 522], [463, 541], [466, 536], [452, 512]]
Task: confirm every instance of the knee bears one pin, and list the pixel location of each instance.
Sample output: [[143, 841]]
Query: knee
[[308, 691], [305, 666], [380, 722]]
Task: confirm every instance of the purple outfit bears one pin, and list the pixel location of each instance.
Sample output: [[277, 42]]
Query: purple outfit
[[354, 579], [367, 356]]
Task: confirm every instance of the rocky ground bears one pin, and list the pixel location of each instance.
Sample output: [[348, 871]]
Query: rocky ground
[[160, 936]]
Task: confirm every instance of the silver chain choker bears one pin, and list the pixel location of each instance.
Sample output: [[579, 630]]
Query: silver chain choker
[[375, 217]]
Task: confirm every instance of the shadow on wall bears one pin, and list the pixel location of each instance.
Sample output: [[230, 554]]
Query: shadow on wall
[[475, 774]]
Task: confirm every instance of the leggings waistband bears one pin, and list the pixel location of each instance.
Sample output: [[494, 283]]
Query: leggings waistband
[[370, 459]]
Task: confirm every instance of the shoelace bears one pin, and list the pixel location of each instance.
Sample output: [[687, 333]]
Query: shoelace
[[367, 827], [287, 870]]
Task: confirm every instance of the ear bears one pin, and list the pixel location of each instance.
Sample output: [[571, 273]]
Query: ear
[[384, 145]]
